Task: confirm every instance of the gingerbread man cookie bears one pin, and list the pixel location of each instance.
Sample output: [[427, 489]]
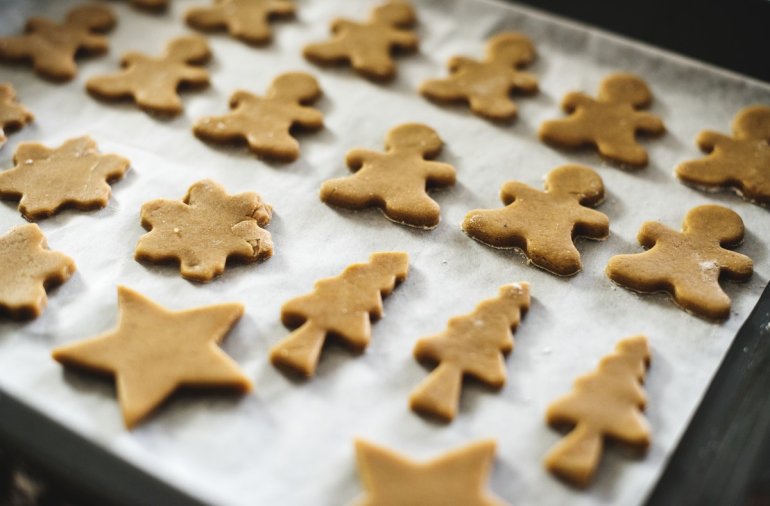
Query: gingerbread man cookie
[[27, 268], [609, 123], [606, 403], [205, 229], [153, 82], [688, 264], [74, 175], [368, 46], [244, 19], [52, 47], [395, 181], [544, 224], [740, 162], [265, 123], [150, 5], [13, 115], [487, 85]]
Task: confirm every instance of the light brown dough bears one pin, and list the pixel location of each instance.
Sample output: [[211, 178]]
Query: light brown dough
[[154, 351], [74, 175], [487, 85], [150, 5], [52, 47], [456, 478], [740, 162], [27, 268], [395, 181], [544, 224], [13, 115], [153, 82], [609, 123], [247, 20], [472, 345], [606, 403], [205, 229], [342, 306], [688, 264], [265, 123], [368, 46]]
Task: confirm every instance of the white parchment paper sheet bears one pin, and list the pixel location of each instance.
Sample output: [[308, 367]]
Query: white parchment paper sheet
[[290, 442]]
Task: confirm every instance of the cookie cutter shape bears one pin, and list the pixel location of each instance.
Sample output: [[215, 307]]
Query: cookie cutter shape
[[740, 162], [154, 351], [152, 82], [487, 85], [473, 345], [27, 268], [247, 20], [609, 123], [52, 47], [605, 403], [368, 46], [395, 181], [265, 123], [455, 478], [13, 115], [204, 229], [74, 175], [341, 306], [544, 224], [688, 264]]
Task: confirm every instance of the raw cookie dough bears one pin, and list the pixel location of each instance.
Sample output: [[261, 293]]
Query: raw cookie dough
[[265, 123], [205, 229], [154, 351], [456, 478], [27, 268], [606, 403], [368, 46], [153, 82], [395, 181], [342, 306], [74, 175], [544, 224], [472, 345], [247, 20], [487, 85], [13, 115], [609, 123], [52, 47], [688, 264], [740, 162]]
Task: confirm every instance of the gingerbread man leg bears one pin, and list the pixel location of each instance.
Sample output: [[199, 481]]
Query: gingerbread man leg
[[623, 148], [703, 296], [378, 65], [554, 254], [273, 144], [493, 106], [704, 172], [565, 133], [422, 211], [485, 225], [346, 191]]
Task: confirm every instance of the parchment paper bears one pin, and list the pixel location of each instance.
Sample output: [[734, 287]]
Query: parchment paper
[[291, 442]]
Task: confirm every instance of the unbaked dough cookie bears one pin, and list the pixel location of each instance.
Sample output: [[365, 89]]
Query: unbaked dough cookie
[[205, 229], [472, 345], [265, 123], [154, 351], [153, 82], [606, 403], [27, 268], [487, 85], [342, 306], [544, 224], [247, 20], [740, 162], [395, 181], [610, 122], [52, 47], [688, 264], [368, 46], [13, 115], [74, 175]]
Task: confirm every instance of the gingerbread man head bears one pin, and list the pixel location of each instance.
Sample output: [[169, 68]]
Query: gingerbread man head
[[511, 49], [753, 123], [295, 87], [626, 88], [394, 13], [188, 50], [582, 183], [414, 138], [716, 223], [91, 17]]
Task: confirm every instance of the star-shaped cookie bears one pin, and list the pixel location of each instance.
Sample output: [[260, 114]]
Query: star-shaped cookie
[[154, 351], [73, 175], [456, 478], [26, 269], [13, 115]]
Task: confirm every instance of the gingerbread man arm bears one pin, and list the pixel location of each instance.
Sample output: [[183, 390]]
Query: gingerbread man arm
[[343, 23], [439, 174], [307, 117], [525, 82], [513, 190], [356, 158], [648, 122], [94, 43], [404, 39], [708, 140], [574, 99], [592, 223], [194, 75], [737, 266], [457, 63], [652, 232]]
